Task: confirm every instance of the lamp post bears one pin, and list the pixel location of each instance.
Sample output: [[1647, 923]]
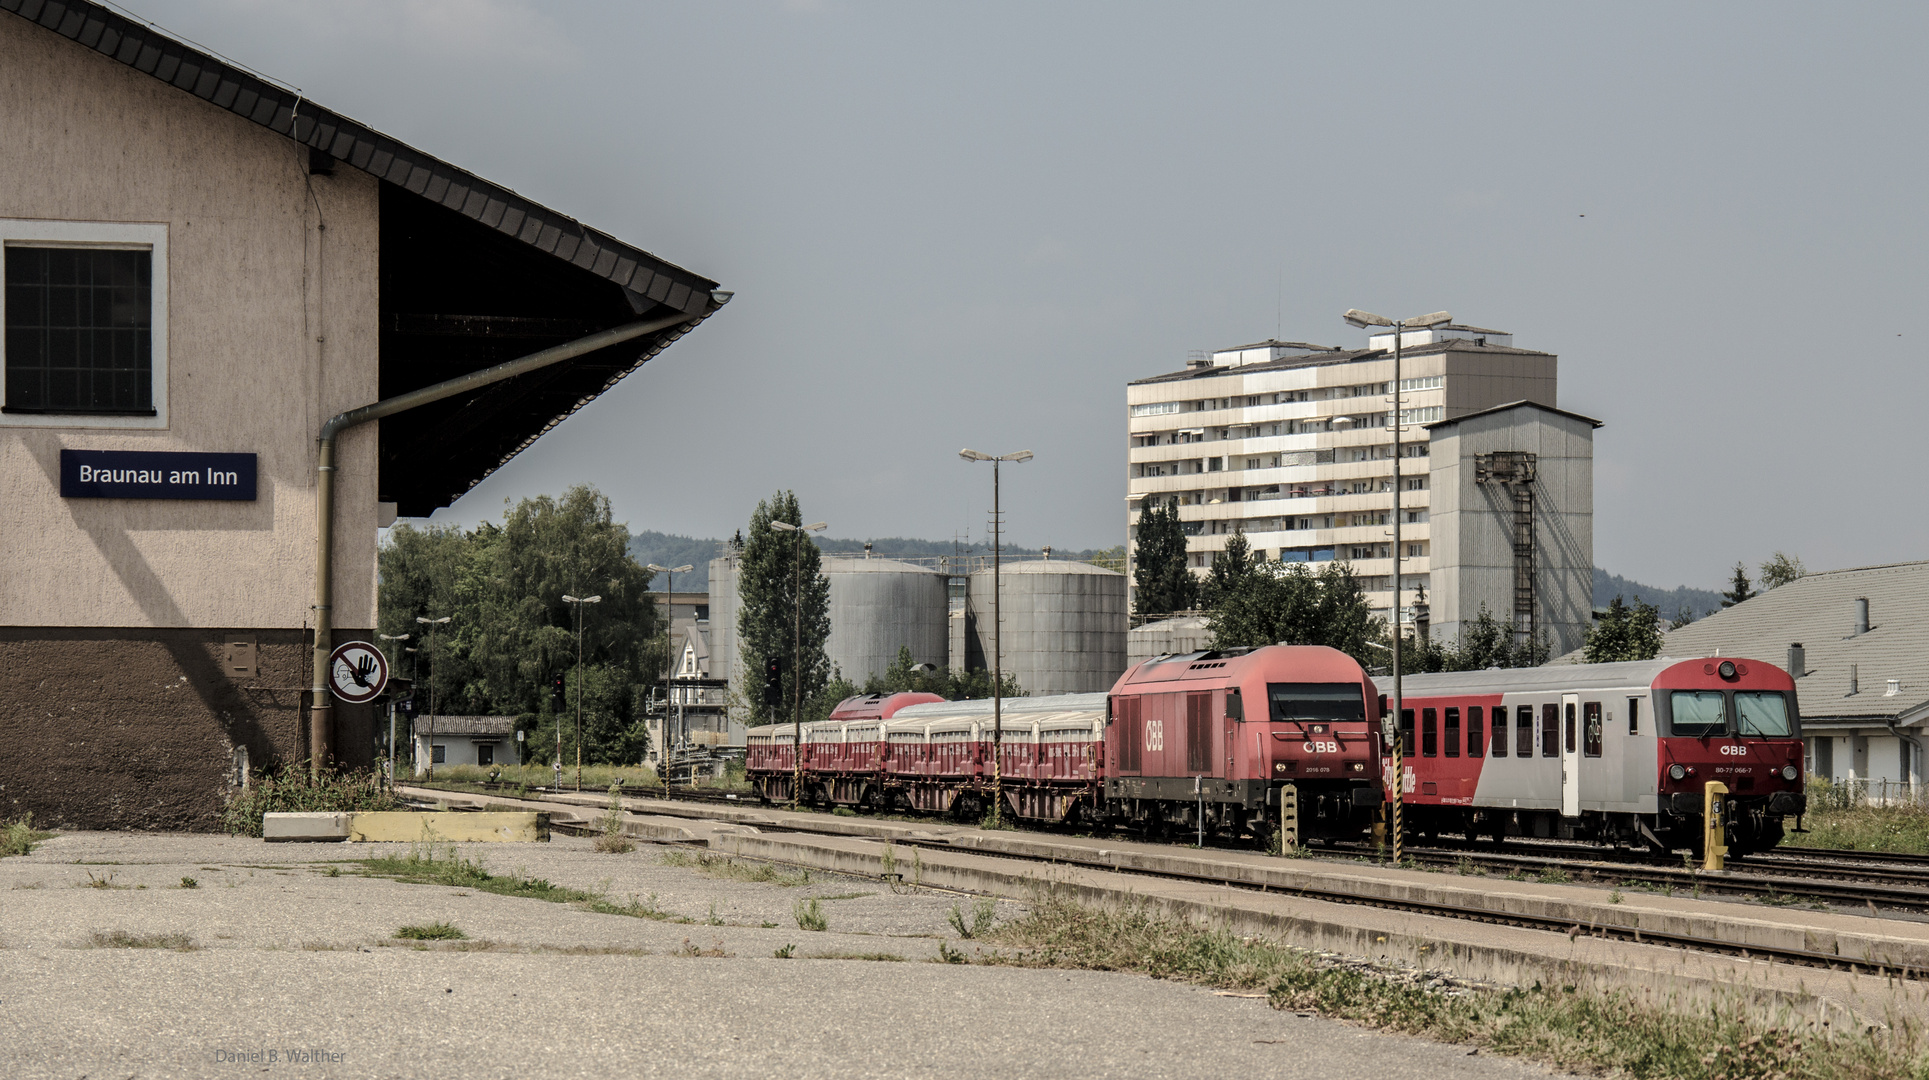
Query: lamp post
[[428, 644], [669, 593], [391, 705], [579, 601], [797, 654], [997, 633], [1363, 319]]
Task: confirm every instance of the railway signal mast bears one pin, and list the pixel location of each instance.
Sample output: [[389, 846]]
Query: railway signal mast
[[1397, 783]]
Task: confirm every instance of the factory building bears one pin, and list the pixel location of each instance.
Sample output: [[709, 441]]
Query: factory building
[[1292, 444], [202, 268]]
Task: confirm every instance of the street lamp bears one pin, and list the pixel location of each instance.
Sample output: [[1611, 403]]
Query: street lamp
[[579, 601], [428, 644], [1363, 319], [997, 629], [391, 707], [797, 654], [669, 593]]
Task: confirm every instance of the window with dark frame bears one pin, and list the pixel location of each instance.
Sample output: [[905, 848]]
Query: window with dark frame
[[1406, 732], [1476, 731], [1452, 732], [1634, 716], [1569, 711], [1550, 731], [1591, 729], [1524, 731], [79, 330], [438, 753], [1429, 733]]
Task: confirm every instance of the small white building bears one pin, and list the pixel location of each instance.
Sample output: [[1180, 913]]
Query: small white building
[[466, 740]]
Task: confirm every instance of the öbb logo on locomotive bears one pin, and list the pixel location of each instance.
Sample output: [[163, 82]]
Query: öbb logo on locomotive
[[1610, 753]]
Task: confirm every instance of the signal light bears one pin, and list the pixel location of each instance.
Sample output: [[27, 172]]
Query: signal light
[[558, 700], [773, 684]]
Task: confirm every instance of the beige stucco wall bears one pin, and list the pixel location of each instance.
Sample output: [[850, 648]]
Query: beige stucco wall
[[272, 328]]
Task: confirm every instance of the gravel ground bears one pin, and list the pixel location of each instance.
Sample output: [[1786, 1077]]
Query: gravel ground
[[294, 950]]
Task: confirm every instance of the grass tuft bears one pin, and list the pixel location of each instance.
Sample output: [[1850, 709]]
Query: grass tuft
[[435, 931], [19, 837], [121, 939], [719, 866], [611, 840], [810, 914], [982, 914]]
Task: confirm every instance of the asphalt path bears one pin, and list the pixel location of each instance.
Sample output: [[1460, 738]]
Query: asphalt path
[[295, 971]]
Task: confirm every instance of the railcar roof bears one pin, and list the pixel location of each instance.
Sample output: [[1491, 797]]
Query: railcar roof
[[1563, 677], [1027, 707]]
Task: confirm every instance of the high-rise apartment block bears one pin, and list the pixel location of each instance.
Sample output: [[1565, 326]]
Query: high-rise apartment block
[[1292, 445]]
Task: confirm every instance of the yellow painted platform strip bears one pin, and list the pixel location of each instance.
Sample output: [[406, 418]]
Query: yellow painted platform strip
[[403, 826]]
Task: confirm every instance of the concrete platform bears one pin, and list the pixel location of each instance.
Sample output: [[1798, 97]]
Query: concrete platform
[[974, 861]]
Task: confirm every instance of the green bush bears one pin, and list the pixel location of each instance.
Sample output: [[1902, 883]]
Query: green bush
[[289, 791]]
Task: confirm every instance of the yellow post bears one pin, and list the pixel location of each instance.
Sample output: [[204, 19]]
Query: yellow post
[[1288, 817], [1714, 822]]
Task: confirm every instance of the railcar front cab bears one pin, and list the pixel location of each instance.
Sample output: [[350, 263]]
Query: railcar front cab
[[1735, 721]]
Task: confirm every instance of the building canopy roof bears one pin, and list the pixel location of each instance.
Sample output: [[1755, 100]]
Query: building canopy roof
[[495, 726], [473, 274], [1818, 612]]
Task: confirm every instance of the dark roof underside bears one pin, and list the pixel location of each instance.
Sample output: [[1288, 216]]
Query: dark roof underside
[[472, 273]]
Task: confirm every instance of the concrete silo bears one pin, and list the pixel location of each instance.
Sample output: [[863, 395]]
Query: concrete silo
[[878, 605], [724, 660], [1064, 625]]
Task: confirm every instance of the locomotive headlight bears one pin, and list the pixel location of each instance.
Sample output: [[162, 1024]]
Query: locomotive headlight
[[1790, 772], [1727, 669], [1676, 772]]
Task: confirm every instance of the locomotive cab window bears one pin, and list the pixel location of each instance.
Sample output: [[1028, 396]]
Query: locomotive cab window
[[1697, 713], [1476, 732], [1550, 731], [1316, 703], [1591, 729], [1762, 713], [1524, 731], [1452, 733]]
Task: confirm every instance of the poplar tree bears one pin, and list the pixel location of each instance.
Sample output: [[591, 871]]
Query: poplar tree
[[784, 609], [1739, 590], [1160, 579]]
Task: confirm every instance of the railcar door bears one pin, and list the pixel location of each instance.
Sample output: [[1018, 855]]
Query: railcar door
[[1570, 755]]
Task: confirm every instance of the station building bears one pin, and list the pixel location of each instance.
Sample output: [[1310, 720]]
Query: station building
[[1291, 444], [201, 269]]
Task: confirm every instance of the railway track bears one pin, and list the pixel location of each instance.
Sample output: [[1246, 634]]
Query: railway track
[[1689, 880]]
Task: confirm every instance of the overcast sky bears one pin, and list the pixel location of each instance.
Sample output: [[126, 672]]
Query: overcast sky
[[972, 224]]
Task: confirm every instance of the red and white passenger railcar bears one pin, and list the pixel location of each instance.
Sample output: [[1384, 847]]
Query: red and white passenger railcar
[[1616, 753], [1219, 733]]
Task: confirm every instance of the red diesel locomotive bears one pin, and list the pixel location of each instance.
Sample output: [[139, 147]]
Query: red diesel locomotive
[[1614, 753], [1219, 733]]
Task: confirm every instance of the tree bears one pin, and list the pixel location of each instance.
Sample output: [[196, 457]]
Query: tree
[[510, 632], [1625, 633], [1230, 569], [1161, 580], [1781, 570], [1485, 642], [1740, 590], [1683, 616], [1112, 558], [1274, 603], [784, 608]]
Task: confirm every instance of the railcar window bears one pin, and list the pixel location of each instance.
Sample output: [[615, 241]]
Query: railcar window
[[1550, 731], [1634, 716], [1591, 729], [1452, 732], [1762, 713], [1697, 713], [1570, 728], [1476, 732], [1429, 733], [1524, 731], [1318, 702], [1406, 732]]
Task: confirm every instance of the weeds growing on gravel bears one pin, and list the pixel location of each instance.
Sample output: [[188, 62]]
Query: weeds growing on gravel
[[810, 915], [121, 939], [1566, 1027], [982, 914], [435, 931], [611, 840], [421, 867], [719, 866], [18, 837]]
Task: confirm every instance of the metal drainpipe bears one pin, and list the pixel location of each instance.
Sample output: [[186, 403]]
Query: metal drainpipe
[[321, 709]]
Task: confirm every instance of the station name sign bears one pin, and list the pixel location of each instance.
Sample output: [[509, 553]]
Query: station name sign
[[156, 474]]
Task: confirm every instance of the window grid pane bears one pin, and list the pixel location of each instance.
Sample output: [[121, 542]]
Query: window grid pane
[[79, 335]]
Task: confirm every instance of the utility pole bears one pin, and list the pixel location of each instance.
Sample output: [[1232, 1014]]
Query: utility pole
[[579, 602], [428, 770], [1397, 786], [669, 663], [997, 633], [797, 652]]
